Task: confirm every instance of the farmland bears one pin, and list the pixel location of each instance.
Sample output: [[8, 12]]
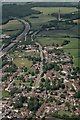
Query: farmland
[[12, 28], [72, 47], [38, 20], [41, 67], [49, 10], [73, 31], [45, 41]]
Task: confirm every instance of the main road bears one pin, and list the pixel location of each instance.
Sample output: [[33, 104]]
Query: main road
[[25, 32], [37, 84], [38, 79]]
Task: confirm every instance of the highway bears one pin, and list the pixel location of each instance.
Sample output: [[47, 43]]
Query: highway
[[38, 79], [25, 32]]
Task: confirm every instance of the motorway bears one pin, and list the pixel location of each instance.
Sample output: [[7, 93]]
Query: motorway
[[25, 32]]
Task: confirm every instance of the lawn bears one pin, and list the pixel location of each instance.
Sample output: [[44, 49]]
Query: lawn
[[61, 113], [5, 94], [24, 54], [21, 62]]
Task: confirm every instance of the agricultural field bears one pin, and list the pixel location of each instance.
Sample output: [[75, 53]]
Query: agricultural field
[[72, 47], [45, 41], [49, 10], [74, 43], [75, 54], [12, 28], [73, 31], [38, 20]]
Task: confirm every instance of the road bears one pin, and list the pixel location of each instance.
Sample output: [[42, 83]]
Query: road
[[12, 81], [25, 32], [41, 67], [38, 79]]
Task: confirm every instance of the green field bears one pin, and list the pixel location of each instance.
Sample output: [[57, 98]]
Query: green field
[[61, 113], [5, 94], [26, 83], [12, 28], [23, 54], [72, 48], [68, 32], [49, 40], [21, 62], [75, 54], [74, 43], [37, 22], [49, 10]]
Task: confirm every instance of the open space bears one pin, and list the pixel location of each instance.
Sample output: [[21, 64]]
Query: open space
[[49, 10], [12, 27], [21, 62], [49, 40]]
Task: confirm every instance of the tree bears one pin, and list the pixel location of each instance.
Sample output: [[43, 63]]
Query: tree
[[32, 73], [62, 96], [33, 104], [15, 90], [37, 71], [14, 84], [77, 94], [18, 104], [62, 86], [65, 42], [42, 80], [25, 69]]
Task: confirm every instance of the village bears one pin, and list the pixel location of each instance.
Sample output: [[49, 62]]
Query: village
[[47, 87], [39, 56]]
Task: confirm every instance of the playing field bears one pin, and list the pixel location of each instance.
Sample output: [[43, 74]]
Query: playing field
[[21, 62]]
